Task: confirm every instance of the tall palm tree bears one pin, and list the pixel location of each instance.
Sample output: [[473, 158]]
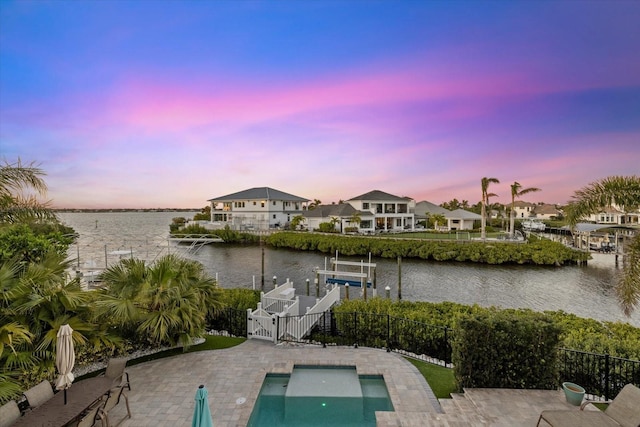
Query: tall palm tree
[[16, 179], [623, 192], [516, 192], [484, 183]]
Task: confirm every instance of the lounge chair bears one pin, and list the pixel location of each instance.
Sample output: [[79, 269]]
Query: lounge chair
[[116, 371], [9, 413], [39, 394], [623, 411]]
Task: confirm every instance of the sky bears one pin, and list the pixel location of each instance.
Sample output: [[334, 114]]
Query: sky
[[162, 103]]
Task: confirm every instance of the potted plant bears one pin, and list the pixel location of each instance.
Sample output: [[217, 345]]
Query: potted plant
[[573, 392]]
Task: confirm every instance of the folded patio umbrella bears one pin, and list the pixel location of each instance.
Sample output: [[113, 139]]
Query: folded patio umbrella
[[202, 413], [65, 359]]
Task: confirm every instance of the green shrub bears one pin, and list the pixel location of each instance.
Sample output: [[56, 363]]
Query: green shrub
[[505, 349], [542, 252]]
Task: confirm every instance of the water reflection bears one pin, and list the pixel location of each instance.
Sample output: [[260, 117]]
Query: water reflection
[[585, 291]]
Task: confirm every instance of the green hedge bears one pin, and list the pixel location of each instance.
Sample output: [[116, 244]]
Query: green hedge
[[590, 335], [505, 349], [543, 252]]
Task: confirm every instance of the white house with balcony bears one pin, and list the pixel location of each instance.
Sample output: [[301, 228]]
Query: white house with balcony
[[259, 208], [390, 213]]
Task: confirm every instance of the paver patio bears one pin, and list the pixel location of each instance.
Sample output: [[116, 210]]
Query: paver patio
[[163, 390]]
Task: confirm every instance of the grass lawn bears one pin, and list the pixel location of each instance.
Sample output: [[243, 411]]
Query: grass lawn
[[439, 378]]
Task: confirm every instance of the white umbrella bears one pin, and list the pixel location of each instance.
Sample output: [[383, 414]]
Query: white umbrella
[[65, 359]]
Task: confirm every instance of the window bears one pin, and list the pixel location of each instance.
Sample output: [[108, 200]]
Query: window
[[365, 205], [262, 204], [274, 216], [254, 203], [274, 203]]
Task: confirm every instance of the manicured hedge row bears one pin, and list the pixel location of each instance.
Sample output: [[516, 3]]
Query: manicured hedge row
[[505, 349], [590, 335], [542, 252]]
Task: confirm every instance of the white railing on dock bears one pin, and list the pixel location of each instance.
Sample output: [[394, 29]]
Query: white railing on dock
[[277, 299], [283, 313], [292, 325]]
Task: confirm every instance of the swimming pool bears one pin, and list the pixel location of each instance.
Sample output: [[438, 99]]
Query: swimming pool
[[313, 396]]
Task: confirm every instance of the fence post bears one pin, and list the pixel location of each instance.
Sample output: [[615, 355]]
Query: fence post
[[607, 383], [447, 357], [355, 327], [388, 332]]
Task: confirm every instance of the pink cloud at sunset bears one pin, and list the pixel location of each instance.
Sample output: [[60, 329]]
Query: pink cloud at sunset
[[129, 104]]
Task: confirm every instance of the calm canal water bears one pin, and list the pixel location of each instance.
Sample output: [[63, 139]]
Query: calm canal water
[[586, 291]]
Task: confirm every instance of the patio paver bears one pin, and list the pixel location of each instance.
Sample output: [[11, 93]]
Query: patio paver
[[163, 390]]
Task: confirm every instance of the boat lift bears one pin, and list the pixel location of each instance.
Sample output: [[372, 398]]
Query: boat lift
[[349, 278]]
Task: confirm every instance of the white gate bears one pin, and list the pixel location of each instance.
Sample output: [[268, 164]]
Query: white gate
[[260, 324]]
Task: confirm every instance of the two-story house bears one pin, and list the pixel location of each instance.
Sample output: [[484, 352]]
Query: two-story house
[[390, 213], [257, 208], [523, 209]]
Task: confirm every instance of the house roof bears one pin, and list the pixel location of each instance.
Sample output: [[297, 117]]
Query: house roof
[[424, 207], [379, 196], [462, 214], [339, 210], [522, 204], [259, 193], [546, 210]]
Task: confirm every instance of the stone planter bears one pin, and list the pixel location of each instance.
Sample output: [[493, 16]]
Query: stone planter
[[573, 392]]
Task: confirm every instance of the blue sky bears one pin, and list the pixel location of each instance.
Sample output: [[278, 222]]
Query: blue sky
[[151, 103]]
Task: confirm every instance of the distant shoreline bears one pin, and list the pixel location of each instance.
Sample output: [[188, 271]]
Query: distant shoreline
[[129, 210]]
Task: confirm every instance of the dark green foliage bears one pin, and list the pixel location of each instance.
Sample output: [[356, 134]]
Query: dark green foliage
[[232, 316], [327, 227], [30, 242], [542, 252], [226, 234], [506, 349]]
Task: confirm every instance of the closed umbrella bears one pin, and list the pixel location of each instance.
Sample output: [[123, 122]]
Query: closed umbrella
[[65, 359], [202, 413]]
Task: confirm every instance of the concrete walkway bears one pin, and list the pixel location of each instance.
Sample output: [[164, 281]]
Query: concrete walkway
[[163, 390]]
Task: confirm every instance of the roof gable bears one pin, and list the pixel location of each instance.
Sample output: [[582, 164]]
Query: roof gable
[[462, 214], [259, 193], [425, 207], [339, 210], [378, 195]]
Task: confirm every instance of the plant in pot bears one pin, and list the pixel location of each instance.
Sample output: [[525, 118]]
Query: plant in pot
[[573, 392]]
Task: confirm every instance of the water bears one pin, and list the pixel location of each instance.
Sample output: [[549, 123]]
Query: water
[[320, 396], [587, 291]]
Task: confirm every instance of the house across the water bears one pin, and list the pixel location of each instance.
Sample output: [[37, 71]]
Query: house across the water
[[259, 208]]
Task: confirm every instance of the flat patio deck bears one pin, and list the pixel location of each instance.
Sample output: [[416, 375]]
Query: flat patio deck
[[163, 390]]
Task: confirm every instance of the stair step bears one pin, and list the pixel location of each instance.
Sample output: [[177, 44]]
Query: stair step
[[463, 404]]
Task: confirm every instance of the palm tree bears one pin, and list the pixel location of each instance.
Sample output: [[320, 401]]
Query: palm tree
[[624, 192], [437, 219], [314, 204], [17, 179], [163, 303], [484, 183], [516, 192]]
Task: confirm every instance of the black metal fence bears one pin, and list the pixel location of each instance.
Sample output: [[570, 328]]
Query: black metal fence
[[229, 319], [602, 375]]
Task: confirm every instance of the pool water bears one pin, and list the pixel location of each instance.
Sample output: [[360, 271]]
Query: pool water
[[314, 396]]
